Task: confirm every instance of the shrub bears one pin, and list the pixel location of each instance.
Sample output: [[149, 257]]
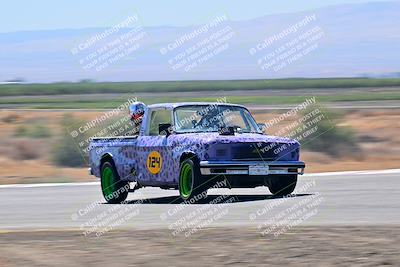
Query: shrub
[[21, 131], [39, 131], [24, 150], [331, 138], [10, 118], [36, 130], [66, 152]]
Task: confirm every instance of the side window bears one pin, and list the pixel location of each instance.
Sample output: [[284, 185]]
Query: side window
[[158, 117]]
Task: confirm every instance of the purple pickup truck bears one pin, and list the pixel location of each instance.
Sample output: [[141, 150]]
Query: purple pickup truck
[[192, 147]]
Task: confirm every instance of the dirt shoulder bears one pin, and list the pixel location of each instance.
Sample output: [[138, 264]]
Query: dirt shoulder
[[302, 246]]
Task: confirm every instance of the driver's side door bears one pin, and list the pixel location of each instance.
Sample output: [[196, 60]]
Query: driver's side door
[[155, 153]]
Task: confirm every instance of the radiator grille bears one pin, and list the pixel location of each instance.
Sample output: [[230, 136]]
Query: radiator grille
[[257, 151]]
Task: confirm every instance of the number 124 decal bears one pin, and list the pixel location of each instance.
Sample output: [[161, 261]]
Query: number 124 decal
[[154, 162]]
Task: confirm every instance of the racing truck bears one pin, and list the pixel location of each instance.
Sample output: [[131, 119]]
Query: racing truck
[[191, 147]]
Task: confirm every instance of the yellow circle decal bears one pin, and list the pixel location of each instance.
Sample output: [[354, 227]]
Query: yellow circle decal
[[154, 162]]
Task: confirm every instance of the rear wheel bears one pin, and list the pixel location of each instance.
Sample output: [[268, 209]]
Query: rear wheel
[[283, 185], [114, 190], [190, 181]]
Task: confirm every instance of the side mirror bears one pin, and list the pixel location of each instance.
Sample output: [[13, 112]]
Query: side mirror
[[165, 129], [227, 130], [262, 126]]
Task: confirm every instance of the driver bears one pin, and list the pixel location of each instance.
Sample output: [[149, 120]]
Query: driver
[[212, 119]]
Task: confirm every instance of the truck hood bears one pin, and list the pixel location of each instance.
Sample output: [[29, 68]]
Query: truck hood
[[216, 138]]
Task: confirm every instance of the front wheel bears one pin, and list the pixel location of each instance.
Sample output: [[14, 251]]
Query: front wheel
[[283, 185], [114, 190], [191, 187]]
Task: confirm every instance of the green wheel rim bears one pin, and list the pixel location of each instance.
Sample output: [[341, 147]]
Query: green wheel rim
[[185, 180], [107, 179]]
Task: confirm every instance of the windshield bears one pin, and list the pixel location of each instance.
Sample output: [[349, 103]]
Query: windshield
[[211, 118]]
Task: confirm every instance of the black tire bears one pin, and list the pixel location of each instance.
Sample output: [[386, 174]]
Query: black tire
[[114, 190], [198, 189], [283, 185]]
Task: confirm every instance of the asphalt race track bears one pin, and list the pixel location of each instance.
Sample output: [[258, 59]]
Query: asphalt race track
[[348, 198]]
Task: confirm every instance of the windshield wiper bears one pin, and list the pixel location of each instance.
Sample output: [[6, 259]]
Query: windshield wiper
[[182, 132]]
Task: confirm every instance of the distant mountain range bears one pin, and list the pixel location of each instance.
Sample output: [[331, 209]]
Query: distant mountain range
[[356, 40]]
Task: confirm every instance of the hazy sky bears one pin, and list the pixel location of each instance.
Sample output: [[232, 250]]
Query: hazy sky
[[16, 15]]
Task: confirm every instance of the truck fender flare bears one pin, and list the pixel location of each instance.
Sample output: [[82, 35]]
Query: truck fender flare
[[188, 154], [108, 157], [105, 157]]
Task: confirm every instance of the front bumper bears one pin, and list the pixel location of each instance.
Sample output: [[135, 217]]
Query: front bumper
[[251, 167]]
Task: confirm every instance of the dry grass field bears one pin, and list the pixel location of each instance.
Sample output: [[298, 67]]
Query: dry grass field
[[27, 140]]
